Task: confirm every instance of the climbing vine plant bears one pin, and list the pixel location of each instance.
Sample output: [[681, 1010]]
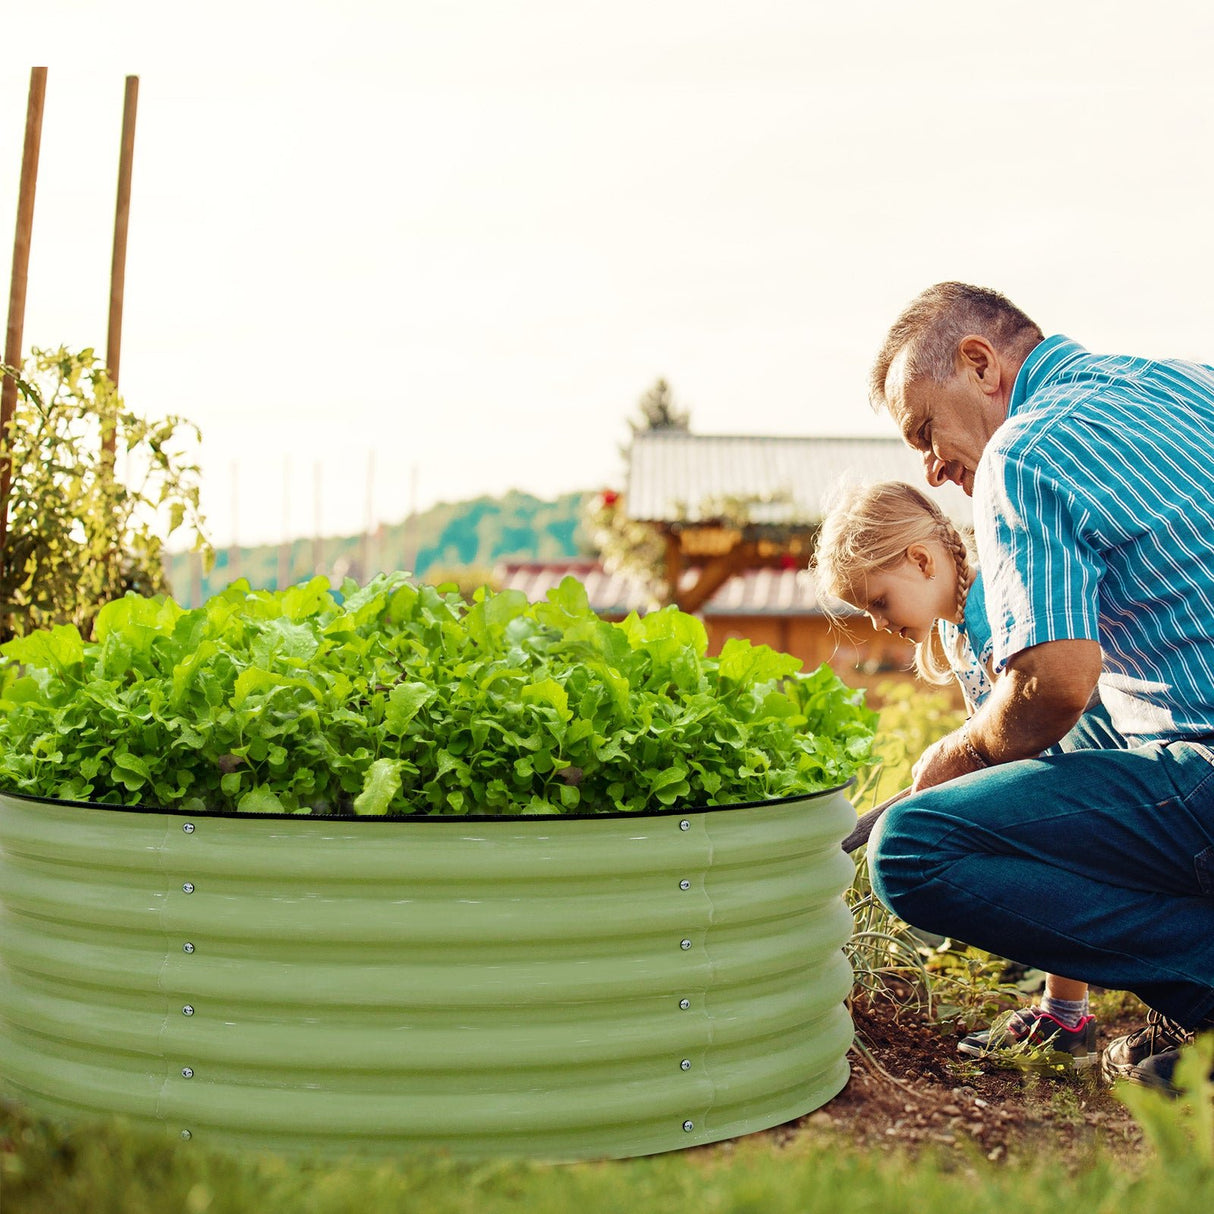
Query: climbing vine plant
[[85, 522]]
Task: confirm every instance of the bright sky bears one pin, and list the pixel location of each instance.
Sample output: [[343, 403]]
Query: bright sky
[[467, 235]]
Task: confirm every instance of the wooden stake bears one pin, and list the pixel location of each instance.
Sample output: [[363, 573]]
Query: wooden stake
[[20, 278], [122, 215]]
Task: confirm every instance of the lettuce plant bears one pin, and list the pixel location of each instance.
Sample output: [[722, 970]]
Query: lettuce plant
[[400, 699]]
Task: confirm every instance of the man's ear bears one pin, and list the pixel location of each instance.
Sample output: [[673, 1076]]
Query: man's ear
[[921, 555], [977, 356]]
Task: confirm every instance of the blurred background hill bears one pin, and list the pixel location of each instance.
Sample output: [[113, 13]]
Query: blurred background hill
[[450, 537]]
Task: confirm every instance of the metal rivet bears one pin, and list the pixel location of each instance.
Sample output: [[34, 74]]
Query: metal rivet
[[187, 947], [684, 825], [188, 827], [684, 884], [685, 1064], [186, 1135], [188, 1010], [188, 887], [689, 1126], [684, 944], [684, 1004], [187, 1072]]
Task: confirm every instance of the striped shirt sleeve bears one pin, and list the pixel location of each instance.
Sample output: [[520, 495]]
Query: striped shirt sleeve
[[1042, 571]]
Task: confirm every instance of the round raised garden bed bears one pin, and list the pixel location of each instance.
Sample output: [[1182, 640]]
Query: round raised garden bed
[[553, 987]]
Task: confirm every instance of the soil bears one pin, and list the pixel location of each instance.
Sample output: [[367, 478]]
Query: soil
[[911, 1090]]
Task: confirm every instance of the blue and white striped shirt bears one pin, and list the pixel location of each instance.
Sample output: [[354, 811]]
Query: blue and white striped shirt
[[1094, 517]]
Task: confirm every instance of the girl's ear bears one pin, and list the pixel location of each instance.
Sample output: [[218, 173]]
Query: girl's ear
[[921, 556]]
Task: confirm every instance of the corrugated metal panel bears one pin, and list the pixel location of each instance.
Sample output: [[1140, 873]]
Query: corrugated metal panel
[[753, 592], [555, 988], [610, 594], [677, 476]]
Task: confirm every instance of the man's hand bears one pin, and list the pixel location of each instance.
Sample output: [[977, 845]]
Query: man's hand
[[943, 761]]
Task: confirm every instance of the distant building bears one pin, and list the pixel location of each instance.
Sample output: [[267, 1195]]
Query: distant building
[[739, 515]]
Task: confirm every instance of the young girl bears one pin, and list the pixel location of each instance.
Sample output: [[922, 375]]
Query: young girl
[[888, 550]]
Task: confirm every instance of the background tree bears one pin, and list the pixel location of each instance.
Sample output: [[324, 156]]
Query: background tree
[[658, 411], [84, 528], [637, 549]]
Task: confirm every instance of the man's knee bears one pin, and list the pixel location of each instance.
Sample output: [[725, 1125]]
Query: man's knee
[[892, 848]]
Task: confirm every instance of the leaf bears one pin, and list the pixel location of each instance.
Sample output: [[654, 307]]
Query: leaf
[[382, 783], [405, 701], [260, 800]]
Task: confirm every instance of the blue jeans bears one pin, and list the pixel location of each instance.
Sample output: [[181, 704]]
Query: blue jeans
[[1092, 861]]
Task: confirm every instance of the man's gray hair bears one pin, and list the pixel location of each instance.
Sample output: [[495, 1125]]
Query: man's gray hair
[[932, 326]]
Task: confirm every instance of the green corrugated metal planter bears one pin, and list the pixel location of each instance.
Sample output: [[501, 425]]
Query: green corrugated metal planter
[[559, 988]]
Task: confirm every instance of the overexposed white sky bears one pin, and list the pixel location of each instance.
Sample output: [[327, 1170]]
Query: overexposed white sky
[[467, 236]]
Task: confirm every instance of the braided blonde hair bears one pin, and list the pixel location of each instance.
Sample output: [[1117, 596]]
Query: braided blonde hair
[[869, 530]]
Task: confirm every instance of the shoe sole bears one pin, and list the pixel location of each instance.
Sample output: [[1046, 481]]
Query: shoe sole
[[1128, 1072]]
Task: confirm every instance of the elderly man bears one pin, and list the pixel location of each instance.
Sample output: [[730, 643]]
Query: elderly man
[[1093, 485]]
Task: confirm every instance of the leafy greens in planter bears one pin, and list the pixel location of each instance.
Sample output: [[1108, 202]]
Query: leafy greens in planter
[[400, 699]]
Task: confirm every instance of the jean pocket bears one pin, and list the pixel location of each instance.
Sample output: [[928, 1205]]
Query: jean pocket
[[1203, 863]]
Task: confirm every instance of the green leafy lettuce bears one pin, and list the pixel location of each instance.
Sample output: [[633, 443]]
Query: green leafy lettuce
[[401, 699]]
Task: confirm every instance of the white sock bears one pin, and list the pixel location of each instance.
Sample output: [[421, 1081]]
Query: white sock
[[1066, 1011]]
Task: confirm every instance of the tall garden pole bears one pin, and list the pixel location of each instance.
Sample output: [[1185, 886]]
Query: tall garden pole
[[122, 214], [20, 277]]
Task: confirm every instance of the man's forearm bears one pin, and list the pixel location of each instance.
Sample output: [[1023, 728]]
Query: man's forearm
[[1036, 702]]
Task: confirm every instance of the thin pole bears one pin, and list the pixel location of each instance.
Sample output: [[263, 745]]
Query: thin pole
[[318, 543], [122, 215], [368, 518], [20, 278], [234, 549], [284, 548]]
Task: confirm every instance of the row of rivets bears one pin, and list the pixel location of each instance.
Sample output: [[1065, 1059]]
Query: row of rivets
[[685, 1064], [187, 1072]]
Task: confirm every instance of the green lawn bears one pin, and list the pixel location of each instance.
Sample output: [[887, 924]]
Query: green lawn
[[107, 1168]]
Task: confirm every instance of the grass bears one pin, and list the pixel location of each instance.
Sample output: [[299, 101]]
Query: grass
[[108, 1169]]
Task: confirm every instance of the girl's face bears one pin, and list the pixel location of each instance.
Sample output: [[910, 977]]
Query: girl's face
[[907, 599]]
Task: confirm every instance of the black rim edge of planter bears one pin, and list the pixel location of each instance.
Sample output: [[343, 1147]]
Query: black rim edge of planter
[[309, 817]]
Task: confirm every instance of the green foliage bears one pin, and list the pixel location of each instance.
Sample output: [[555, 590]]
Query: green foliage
[[85, 527], [405, 699], [625, 546], [910, 720], [107, 1168], [1181, 1129]]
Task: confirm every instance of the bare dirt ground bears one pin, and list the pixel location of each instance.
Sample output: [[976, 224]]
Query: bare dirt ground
[[910, 1089]]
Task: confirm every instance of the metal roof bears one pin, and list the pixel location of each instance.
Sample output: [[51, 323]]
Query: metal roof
[[674, 476], [755, 592]]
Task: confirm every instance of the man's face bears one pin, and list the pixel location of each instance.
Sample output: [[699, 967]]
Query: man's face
[[948, 423]]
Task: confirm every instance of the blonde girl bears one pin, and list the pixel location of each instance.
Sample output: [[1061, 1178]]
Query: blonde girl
[[890, 551]]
